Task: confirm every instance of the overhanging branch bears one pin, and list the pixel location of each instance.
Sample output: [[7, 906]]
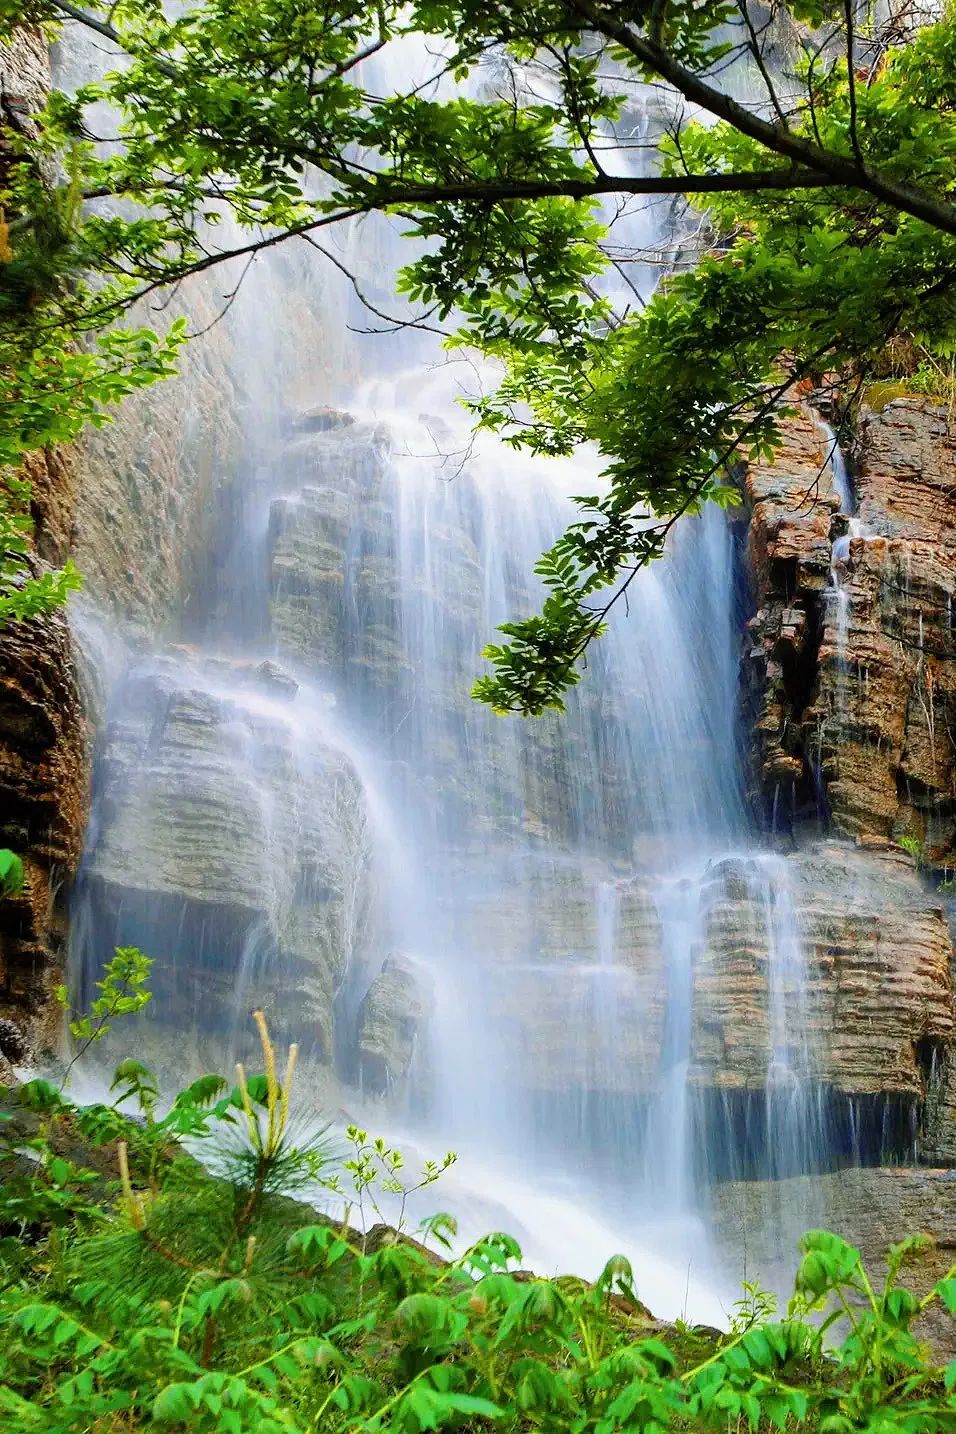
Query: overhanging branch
[[842, 169]]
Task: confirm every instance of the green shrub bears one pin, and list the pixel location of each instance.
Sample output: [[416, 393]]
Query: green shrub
[[145, 1288]]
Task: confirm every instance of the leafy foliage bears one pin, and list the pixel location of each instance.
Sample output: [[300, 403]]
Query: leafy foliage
[[829, 237], [913, 847], [145, 1287]]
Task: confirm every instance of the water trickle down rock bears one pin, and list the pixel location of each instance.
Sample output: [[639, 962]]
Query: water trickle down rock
[[863, 725], [876, 994]]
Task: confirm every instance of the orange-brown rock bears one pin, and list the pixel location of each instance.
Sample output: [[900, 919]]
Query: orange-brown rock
[[792, 506], [885, 704], [850, 680], [43, 795], [43, 739], [864, 992], [852, 660]]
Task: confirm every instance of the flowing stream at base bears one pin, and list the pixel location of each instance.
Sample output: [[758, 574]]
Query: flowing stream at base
[[304, 807]]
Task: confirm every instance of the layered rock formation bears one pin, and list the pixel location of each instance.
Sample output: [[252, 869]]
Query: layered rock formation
[[572, 966], [827, 971], [865, 990], [231, 844], [391, 1024], [43, 737], [139, 506], [851, 685], [377, 581], [851, 668], [757, 1225]]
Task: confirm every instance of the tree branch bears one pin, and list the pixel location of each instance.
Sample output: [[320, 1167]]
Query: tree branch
[[842, 169], [107, 31], [851, 80]]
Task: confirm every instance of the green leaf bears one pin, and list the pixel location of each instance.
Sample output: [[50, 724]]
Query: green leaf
[[59, 1170], [11, 873], [176, 1404]]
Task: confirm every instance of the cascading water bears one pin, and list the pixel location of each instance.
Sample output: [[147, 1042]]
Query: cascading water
[[840, 558], [504, 927]]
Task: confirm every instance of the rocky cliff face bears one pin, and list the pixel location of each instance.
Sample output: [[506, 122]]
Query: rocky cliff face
[[851, 668], [136, 507], [849, 684], [757, 1224], [43, 736], [872, 973], [230, 843]]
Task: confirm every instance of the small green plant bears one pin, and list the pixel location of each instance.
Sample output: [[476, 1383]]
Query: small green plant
[[755, 1306], [123, 992], [11, 873], [373, 1169], [913, 846]]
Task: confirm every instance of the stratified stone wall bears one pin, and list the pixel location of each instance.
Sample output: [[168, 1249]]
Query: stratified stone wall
[[231, 844], [856, 721], [43, 736], [870, 994], [850, 690], [757, 1224]]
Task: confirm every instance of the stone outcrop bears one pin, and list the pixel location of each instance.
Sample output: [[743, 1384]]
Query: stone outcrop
[[43, 793], [757, 1224], [154, 483], [888, 748], [231, 845], [391, 1024], [861, 951], [792, 506], [24, 78], [332, 562]]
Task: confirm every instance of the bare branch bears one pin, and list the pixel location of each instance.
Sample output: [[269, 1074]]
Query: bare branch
[[756, 50], [390, 319], [851, 79]]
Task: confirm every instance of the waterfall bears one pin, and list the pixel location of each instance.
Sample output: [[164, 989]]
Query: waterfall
[[501, 930]]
